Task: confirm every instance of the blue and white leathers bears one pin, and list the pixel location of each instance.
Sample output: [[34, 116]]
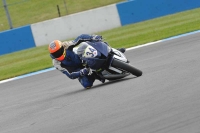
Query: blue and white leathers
[[72, 64]]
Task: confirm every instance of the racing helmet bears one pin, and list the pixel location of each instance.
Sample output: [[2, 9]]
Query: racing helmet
[[57, 50]]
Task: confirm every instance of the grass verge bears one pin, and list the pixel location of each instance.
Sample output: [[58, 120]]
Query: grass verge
[[24, 12], [35, 59]]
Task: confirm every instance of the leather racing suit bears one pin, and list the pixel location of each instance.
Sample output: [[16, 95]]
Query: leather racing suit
[[72, 64]]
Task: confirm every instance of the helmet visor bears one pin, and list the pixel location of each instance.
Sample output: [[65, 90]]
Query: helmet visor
[[58, 53]]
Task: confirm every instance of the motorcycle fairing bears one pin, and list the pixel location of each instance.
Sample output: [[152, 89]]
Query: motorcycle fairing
[[102, 47], [94, 63]]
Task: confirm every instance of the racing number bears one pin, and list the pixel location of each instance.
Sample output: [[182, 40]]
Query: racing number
[[90, 53]]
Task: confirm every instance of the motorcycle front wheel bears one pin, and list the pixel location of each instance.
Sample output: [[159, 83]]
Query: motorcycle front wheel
[[127, 67]]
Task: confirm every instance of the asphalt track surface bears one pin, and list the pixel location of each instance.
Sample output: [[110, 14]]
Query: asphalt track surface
[[166, 99]]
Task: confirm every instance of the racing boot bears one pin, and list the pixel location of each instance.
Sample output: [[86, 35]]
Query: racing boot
[[99, 78], [123, 50], [102, 80]]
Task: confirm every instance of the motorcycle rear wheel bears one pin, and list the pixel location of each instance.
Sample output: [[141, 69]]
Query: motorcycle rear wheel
[[127, 67]]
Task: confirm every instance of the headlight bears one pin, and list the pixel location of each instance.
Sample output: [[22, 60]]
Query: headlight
[[109, 49]]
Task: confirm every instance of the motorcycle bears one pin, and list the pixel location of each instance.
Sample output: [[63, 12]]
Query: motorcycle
[[105, 61]]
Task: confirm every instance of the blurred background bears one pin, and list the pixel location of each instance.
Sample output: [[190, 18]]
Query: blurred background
[[16, 13]]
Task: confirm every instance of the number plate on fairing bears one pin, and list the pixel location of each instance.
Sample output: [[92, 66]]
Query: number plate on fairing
[[90, 52]]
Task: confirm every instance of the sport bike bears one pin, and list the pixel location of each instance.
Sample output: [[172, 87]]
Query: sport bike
[[105, 61]]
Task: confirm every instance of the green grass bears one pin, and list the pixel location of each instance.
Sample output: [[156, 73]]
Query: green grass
[[127, 36], [24, 61], [155, 29], [32, 11]]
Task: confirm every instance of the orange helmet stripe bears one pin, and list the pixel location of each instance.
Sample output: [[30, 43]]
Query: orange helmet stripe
[[62, 57], [55, 46], [57, 50]]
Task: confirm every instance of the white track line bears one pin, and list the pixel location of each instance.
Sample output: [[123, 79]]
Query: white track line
[[140, 46]]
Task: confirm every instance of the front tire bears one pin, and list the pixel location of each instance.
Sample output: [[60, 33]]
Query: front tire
[[127, 67]]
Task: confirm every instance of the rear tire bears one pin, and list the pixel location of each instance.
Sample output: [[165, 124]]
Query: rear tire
[[127, 67]]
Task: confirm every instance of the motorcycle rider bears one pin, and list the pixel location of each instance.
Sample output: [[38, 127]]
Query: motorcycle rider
[[69, 63]]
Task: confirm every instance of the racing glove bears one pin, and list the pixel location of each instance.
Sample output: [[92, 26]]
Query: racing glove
[[97, 38], [86, 37], [84, 71]]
